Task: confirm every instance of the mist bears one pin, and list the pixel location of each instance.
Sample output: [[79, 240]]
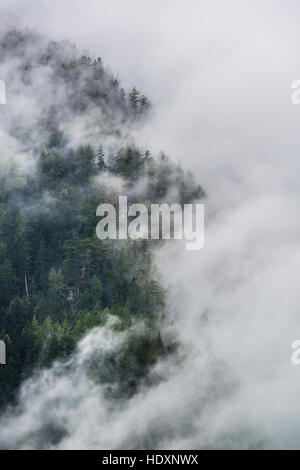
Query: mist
[[219, 75]]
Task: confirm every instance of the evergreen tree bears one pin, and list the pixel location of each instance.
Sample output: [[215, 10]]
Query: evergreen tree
[[134, 99], [100, 158]]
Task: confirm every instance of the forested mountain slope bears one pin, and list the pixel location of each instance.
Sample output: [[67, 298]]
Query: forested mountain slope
[[66, 146]]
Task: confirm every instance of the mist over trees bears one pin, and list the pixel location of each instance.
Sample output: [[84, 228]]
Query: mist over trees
[[57, 279]]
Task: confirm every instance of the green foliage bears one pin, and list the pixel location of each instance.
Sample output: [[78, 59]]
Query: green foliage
[[57, 279]]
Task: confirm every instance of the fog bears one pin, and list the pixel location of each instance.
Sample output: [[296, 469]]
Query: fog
[[219, 75]]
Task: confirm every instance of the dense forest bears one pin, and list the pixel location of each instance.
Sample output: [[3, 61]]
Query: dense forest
[[66, 147]]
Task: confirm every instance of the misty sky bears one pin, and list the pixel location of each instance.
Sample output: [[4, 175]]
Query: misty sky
[[219, 73]]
